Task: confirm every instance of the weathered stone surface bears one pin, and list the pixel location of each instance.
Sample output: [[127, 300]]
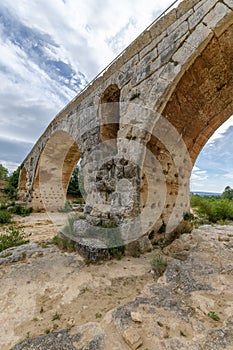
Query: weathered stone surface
[[175, 310], [132, 338], [12, 255], [89, 336], [229, 3], [200, 12]]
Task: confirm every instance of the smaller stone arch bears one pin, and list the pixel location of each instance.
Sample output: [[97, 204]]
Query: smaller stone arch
[[109, 113], [55, 167], [22, 186]]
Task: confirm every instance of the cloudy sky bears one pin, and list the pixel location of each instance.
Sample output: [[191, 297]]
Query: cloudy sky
[[51, 49]]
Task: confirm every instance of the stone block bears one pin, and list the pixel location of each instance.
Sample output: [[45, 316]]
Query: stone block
[[179, 21], [161, 25], [185, 6], [229, 3], [173, 37], [199, 36], [200, 13], [214, 18]]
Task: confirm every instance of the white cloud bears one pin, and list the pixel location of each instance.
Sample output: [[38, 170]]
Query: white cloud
[[83, 30], [11, 166], [219, 133]]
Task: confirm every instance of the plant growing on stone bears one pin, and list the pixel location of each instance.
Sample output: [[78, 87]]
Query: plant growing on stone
[[13, 236], [56, 316], [159, 264], [214, 316]]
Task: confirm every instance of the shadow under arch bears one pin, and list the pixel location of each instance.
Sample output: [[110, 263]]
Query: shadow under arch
[[56, 164], [109, 111]]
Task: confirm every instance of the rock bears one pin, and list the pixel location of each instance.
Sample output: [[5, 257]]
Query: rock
[[15, 254], [71, 322], [145, 244], [136, 317], [88, 336], [132, 338], [92, 249]]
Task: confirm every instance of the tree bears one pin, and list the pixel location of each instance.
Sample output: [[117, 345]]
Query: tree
[[73, 187], [12, 187], [228, 193], [3, 172]]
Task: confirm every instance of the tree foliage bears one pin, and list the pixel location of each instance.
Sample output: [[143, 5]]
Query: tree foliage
[[74, 188], [3, 172], [228, 193], [213, 209], [12, 187]]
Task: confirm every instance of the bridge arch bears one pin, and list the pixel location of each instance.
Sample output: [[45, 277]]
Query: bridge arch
[[196, 104], [179, 69], [109, 113], [22, 187], [55, 166]]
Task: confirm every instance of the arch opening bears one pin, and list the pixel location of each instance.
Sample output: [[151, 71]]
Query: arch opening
[[22, 186], [55, 167], [109, 113]]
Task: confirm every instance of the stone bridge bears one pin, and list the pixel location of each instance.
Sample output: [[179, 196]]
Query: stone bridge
[[138, 128]]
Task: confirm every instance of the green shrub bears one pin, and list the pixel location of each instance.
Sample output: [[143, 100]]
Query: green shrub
[[117, 252], [79, 201], [12, 187], [5, 216], [214, 316], [13, 236], [18, 210], [159, 264], [213, 209], [64, 243]]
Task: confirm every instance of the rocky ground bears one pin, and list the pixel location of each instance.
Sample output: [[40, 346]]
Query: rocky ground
[[52, 300]]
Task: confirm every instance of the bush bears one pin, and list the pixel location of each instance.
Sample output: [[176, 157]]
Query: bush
[[13, 236], [12, 187], [5, 216], [18, 210], [159, 264], [213, 209]]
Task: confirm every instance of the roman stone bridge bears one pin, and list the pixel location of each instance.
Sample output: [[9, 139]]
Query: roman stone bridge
[[138, 128]]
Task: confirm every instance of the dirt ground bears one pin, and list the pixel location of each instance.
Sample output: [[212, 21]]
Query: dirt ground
[[57, 289]]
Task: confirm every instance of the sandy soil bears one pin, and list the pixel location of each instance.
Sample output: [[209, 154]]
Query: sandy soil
[[58, 289]]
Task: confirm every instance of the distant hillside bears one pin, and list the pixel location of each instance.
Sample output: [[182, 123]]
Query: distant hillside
[[207, 194]]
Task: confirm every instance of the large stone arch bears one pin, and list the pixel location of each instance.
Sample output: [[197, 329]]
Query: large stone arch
[[55, 166], [180, 70], [197, 102], [203, 97]]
